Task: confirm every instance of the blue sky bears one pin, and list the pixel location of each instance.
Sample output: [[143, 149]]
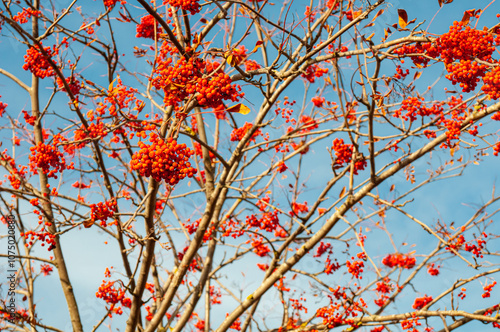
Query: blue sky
[[87, 255]]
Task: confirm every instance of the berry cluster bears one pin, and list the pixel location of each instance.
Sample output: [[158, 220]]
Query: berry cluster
[[399, 260], [37, 63], [308, 123], [299, 208], [251, 65], [102, 211], [190, 5], [22, 17], [113, 296], [492, 83], [340, 309], [46, 269], [44, 237], [314, 71], [413, 107], [194, 77], [46, 156], [421, 302], [400, 73], [119, 97], [322, 249], [268, 222], [148, 27], [215, 295], [318, 101], [465, 72], [343, 155], [383, 288], [16, 173], [94, 130], [259, 248], [433, 271], [238, 133], [464, 44], [111, 3], [355, 268], [487, 290], [3, 106], [163, 160], [73, 83], [29, 118]]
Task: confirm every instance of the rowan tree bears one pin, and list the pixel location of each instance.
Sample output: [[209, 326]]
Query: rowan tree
[[250, 166]]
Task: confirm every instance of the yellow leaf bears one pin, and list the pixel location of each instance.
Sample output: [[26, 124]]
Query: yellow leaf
[[230, 60], [342, 192], [238, 108], [111, 85], [378, 14], [392, 187], [403, 18], [257, 45], [370, 37]]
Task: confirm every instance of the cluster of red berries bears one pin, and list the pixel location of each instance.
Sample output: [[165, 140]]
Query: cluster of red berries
[[37, 63], [268, 222], [487, 290], [355, 268], [338, 313], [194, 76], [383, 288], [22, 17], [44, 237], [195, 264], [418, 48], [102, 211], [163, 160], [111, 3], [318, 101], [466, 44], [308, 123], [46, 156], [73, 83], [190, 5], [413, 107], [343, 155], [492, 83], [330, 266], [454, 124], [433, 271], [3, 106], [251, 65], [400, 73], [46, 269], [119, 97], [313, 72], [421, 302], [299, 208], [113, 296], [230, 227], [94, 130], [238, 133], [16, 173], [259, 248], [148, 27], [400, 260], [322, 249], [29, 119], [465, 72]]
